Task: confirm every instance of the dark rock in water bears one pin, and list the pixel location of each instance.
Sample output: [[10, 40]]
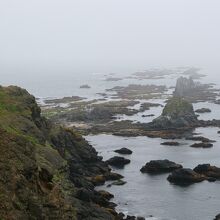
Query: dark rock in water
[[150, 115], [130, 217], [203, 110], [200, 138], [217, 217], [178, 113], [185, 177], [160, 166], [184, 86], [218, 132], [85, 86], [123, 150], [118, 161], [202, 145], [208, 170], [171, 143]]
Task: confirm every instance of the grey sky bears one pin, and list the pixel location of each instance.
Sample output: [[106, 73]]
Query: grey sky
[[106, 35]]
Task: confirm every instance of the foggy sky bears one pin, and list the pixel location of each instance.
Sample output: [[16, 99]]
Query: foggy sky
[[107, 35]]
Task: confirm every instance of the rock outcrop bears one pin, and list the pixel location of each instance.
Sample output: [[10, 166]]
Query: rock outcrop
[[185, 176], [195, 91], [124, 150], [46, 171], [208, 170], [178, 113], [184, 86], [119, 162], [160, 166]]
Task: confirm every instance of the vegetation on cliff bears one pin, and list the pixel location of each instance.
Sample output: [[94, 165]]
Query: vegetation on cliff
[[177, 113], [46, 171], [177, 107]]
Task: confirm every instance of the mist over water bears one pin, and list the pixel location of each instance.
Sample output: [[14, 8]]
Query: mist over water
[[55, 39]]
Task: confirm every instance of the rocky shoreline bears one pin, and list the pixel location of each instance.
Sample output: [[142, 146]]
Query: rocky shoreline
[[51, 172], [178, 120]]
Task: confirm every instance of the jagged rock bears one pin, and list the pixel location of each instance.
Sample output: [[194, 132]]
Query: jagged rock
[[123, 150], [160, 166], [184, 86], [202, 145], [203, 110], [118, 161], [195, 91], [185, 176]]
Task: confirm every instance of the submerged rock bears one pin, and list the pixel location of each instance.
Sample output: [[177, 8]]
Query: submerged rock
[[185, 176], [117, 183], [160, 166], [118, 161], [171, 143], [85, 86], [123, 150]]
